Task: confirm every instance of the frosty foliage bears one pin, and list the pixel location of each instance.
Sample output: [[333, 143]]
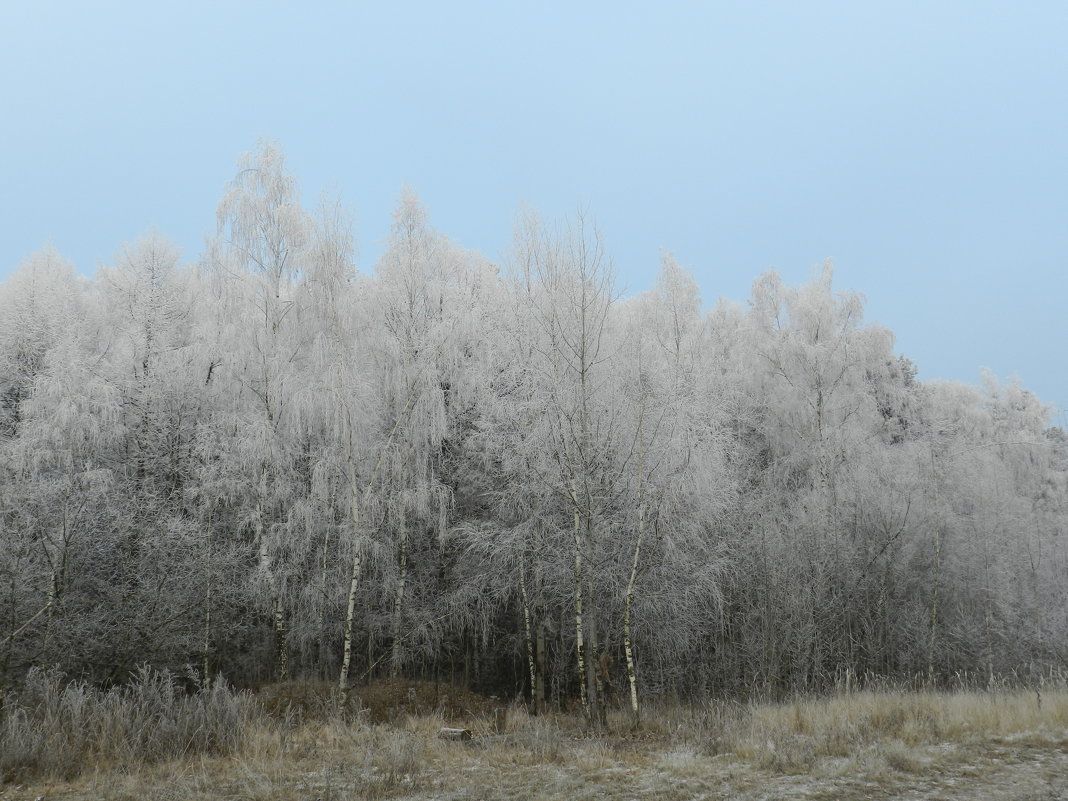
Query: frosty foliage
[[269, 463]]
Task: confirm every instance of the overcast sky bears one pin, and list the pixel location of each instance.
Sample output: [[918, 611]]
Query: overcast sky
[[921, 147]]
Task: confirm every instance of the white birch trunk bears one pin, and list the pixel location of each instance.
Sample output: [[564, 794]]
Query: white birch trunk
[[354, 573], [628, 646], [350, 615], [280, 639], [528, 634]]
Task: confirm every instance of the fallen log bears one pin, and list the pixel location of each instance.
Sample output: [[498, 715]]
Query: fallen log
[[454, 734]]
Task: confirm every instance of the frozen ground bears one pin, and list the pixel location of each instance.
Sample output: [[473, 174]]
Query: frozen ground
[[1003, 771]]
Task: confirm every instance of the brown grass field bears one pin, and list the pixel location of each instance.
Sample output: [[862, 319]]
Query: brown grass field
[[1008, 745]]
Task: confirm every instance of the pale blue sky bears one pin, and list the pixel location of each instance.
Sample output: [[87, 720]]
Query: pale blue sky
[[921, 146]]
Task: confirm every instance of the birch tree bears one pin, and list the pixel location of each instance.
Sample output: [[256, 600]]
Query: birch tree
[[258, 260], [815, 361], [568, 281], [678, 483], [427, 301]]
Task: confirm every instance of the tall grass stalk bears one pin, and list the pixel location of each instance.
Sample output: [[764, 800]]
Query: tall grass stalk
[[56, 728]]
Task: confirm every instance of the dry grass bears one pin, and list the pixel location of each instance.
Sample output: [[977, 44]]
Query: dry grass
[[794, 735], [60, 729], [844, 746]]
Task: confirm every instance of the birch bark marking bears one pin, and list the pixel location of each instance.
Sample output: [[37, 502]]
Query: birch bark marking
[[280, 640], [527, 632], [357, 566], [632, 579]]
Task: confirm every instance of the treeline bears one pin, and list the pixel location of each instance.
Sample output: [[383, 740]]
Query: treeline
[[270, 465]]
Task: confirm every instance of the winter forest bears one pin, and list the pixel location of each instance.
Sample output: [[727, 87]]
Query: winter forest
[[268, 465]]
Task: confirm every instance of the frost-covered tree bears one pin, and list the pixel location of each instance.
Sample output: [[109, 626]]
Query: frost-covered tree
[[257, 263], [677, 482], [38, 301], [570, 415]]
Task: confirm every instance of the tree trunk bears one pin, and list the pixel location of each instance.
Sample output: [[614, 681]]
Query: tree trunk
[[527, 633], [206, 665], [593, 676], [542, 656], [398, 599], [321, 655], [580, 649], [277, 610], [932, 639], [281, 645], [628, 603], [354, 574]]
